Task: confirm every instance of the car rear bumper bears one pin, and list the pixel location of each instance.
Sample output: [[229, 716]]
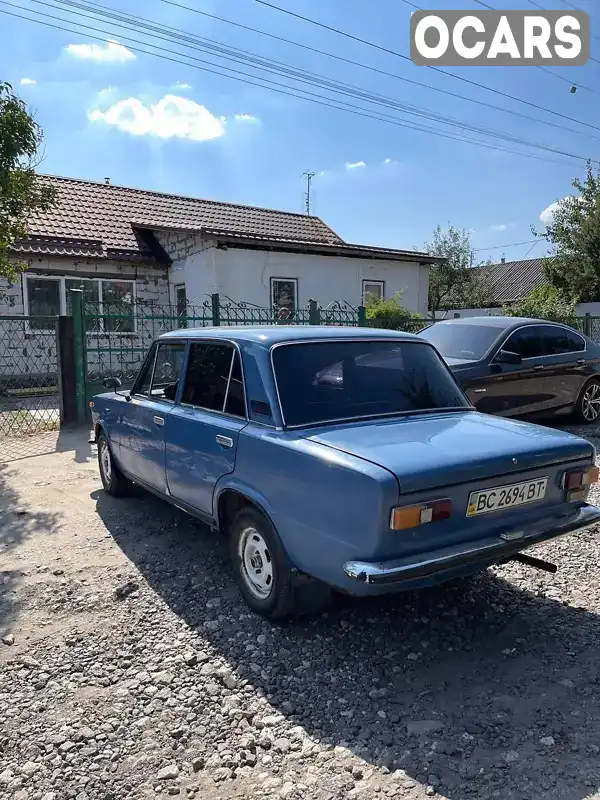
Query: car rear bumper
[[483, 552]]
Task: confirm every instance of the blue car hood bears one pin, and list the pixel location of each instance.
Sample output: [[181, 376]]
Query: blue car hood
[[429, 451]]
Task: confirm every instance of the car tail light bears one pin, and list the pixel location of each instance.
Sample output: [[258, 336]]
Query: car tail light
[[580, 478], [403, 517]]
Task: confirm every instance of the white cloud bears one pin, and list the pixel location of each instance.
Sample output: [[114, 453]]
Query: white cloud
[[387, 160], [170, 117], [355, 164], [547, 215], [246, 118], [180, 85], [27, 82], [502, 226], [110, 51]]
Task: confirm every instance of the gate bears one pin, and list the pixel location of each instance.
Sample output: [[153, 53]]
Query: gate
[[29, 382]]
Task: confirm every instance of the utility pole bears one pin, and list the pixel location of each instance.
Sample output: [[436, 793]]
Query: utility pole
[[307, 198]]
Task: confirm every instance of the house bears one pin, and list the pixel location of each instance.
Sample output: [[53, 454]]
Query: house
[[131, 246], [510, 281]]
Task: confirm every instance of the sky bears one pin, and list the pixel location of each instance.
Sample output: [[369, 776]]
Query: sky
[[172, 124]]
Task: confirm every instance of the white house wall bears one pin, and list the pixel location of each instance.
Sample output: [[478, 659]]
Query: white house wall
[[245, 275]]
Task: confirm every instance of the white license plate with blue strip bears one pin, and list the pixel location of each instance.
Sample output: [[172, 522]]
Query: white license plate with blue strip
[[515, 494]]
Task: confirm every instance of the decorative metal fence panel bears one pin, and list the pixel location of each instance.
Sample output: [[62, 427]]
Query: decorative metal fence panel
[[29, 394]]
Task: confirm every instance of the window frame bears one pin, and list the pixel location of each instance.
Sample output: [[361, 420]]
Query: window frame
[[134, 389], [374, 282], [167, 343], [275, 279], [62, 301], [540, 325], [235, 347]]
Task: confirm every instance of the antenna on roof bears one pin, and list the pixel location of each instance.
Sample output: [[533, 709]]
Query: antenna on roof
[[503, 258], [307, 198], [107, 181]]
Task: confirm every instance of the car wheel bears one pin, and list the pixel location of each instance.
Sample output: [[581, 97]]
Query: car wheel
[[588, 403], [113, 480], [265, 576]]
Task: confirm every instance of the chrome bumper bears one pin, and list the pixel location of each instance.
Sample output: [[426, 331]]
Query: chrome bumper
[[487, 551]]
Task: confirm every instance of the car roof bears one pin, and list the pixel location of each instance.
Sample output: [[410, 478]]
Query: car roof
[[268, 335], [503, 323]]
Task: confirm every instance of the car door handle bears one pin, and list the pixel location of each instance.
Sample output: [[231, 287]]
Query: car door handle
[[159, 421], [580, 362], [479, 391], [538, 367], [225, 441]]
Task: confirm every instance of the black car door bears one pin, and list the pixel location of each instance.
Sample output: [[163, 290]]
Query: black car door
[[564, 366], [512, 389]]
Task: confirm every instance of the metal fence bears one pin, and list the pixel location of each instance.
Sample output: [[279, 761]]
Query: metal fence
[[29, 394]]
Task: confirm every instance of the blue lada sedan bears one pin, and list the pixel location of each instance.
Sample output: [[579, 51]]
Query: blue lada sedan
[[337, 458]]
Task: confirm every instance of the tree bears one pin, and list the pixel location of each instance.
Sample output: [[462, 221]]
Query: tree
[[575, 236], [454, 283], [546, 302], [393, 315], [21, 191]]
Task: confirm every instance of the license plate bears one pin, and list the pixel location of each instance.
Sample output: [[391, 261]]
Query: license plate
[[515, 494]]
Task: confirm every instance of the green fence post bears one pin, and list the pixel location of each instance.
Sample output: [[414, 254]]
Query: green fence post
[[79, 353], [216, 309], [362, 317], [587, 324], [314, 313]]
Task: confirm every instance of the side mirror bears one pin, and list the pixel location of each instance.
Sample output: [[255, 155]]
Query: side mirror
[[111, 383], [507, 357]]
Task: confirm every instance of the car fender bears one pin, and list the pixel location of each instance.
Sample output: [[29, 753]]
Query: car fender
[[232, 482]]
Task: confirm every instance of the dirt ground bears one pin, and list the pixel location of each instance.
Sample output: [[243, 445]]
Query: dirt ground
[[130, 667]]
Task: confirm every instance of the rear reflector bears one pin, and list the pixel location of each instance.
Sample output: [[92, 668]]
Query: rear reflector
[[404, 517], [580, 478]]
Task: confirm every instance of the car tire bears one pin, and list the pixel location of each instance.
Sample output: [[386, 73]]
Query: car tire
[[267, 580], [587, 408], [113, 480]]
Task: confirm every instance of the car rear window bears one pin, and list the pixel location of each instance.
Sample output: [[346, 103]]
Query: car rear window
[[326, 381], [453, 340]]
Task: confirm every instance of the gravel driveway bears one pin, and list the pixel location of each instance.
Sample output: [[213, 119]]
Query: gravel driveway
[[130, 667]]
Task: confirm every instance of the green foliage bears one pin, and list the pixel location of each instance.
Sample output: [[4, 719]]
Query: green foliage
[[393, 315], [546, 302], [21, 192], [454, 283], [575, 235]]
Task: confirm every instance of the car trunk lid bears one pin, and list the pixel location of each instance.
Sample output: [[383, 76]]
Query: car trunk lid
[[442, 449]]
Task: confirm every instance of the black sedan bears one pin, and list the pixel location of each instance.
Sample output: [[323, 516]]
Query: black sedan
[[518, 367]]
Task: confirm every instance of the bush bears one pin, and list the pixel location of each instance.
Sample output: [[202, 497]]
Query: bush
[[546, 302], [391, 314]]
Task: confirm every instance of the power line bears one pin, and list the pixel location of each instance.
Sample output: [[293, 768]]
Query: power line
[[503, 246], [593, 35], [407, 58], [369, 67], [309, 78], [286, 90]]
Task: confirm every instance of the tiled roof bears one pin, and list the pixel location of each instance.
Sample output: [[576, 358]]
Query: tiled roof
[[90, 215], [510, 281]]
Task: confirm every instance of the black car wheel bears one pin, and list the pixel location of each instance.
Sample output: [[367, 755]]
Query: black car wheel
[[267, 580], [588, 403], [113, 480]]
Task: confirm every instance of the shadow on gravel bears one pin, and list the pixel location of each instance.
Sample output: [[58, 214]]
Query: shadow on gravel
[[478, 688], [17, 523]]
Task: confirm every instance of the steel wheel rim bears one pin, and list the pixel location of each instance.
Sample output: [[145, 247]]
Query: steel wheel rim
[[256, 563], [105, 463], [591, 402]]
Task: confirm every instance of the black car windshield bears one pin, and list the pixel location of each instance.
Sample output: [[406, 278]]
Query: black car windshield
[[334, 380], [468, 341]]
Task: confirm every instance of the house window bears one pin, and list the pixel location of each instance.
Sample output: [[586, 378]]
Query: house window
[[372, 291], [284, 297], [180, 300], [110, 302]]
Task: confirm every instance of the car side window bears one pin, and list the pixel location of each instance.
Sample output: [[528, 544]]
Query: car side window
[[555, 340], [144, 378], [236, 401], [576, 342], [526, 342], [207, 377], [167, 371]]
